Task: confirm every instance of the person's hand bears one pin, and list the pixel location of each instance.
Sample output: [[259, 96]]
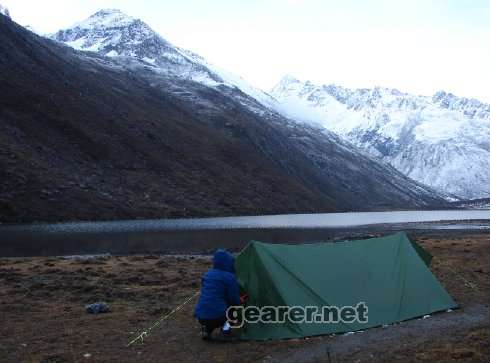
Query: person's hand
[[243, 299]]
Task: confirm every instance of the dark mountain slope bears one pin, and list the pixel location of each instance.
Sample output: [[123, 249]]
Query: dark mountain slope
[[85, 138]]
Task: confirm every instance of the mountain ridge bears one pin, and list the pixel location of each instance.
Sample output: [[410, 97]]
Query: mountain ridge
[[440, 140], [112, 33], [86, 136]]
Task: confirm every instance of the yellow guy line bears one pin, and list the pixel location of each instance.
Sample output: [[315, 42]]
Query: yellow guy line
[[146, 333]]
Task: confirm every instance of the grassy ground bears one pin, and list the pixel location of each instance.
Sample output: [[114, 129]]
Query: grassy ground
[[43, 319]]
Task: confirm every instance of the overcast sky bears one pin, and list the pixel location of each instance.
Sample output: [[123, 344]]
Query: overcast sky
[[418, 46]]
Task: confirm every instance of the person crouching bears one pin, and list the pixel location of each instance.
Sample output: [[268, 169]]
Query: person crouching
[[219, 291]]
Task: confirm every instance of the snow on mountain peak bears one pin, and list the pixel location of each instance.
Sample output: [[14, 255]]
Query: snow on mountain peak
[[439, 95], [105, 18], [111, 33], [441, 141], [108, 31], [287, 79], [4, 11]]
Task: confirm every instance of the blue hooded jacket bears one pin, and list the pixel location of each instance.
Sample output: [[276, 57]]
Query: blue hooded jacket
[[219, 288]]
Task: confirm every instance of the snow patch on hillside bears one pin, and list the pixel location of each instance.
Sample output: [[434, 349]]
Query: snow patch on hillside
[[442, 141]]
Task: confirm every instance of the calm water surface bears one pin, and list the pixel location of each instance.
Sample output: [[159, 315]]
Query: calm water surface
[[321, 220], [205, 234]]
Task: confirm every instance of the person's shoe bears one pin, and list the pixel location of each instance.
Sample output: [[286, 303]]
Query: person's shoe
[[204, 333]]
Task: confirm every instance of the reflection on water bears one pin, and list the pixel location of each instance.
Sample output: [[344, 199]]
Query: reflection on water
[[204, 235], [321, 220]]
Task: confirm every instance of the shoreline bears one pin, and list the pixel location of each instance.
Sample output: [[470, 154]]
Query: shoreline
[[205, 235], [43, 300]]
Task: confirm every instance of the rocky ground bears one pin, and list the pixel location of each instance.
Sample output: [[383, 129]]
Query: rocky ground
[[43, 318]]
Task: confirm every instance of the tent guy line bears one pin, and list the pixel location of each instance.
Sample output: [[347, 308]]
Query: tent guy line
[[146, 333]]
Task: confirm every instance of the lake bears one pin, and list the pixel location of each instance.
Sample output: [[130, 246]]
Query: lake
[[204, 234]]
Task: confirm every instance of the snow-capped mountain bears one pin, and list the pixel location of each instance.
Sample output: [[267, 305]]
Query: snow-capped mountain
[[333, 170], [112, 33], [442, 141]]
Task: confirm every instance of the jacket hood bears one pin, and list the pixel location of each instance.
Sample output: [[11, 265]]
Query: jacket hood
[[224, 260]]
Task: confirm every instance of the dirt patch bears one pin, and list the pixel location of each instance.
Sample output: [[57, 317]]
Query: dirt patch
[[417, 339], [43, 319]]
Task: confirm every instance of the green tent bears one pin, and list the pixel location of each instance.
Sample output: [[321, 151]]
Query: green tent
[[389, 275]]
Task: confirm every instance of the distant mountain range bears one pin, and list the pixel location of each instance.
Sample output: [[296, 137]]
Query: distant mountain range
[[130, 126], [442, 141]]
